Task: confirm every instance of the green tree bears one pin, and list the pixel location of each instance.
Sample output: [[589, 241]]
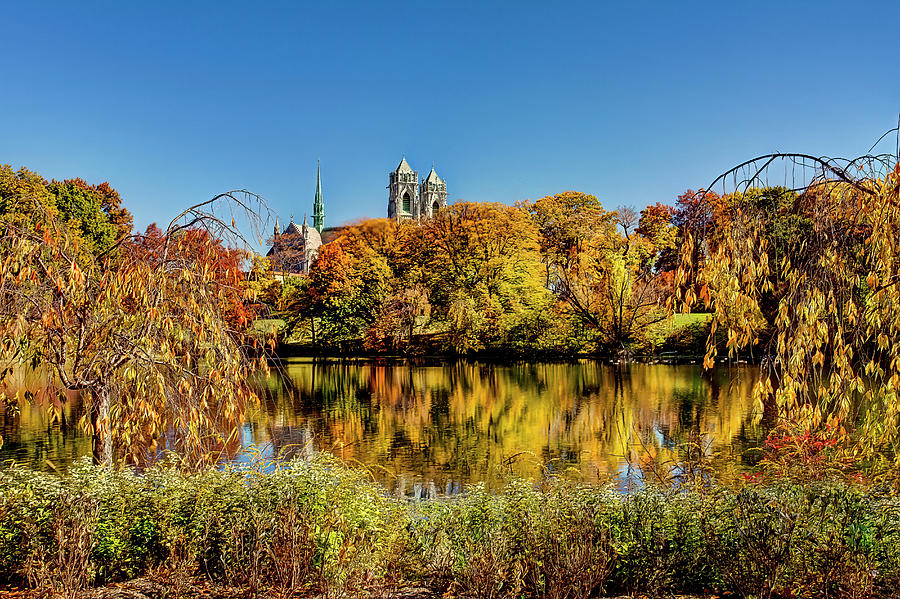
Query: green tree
[[81, 209], [94, 212]]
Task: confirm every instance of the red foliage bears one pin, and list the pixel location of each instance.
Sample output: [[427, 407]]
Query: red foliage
[[330, 272], [200, 252], [808, 455], [698, 210]]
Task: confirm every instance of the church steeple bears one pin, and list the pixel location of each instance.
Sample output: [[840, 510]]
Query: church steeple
[[319, 205], [433, 194], [403, 197]]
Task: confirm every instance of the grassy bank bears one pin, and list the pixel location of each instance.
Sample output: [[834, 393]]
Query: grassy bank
[[681, 338], [317, 527]]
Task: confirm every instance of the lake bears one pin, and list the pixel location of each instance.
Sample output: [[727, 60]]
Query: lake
[[433, 428]]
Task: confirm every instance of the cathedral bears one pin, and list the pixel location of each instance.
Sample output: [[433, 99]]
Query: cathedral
[[409, 198], [294, 249], [412, 199]]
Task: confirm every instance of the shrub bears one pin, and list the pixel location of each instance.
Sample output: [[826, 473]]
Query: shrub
[[308, 524], [660, 543], [313, 526], [553, 543], [751, 536]]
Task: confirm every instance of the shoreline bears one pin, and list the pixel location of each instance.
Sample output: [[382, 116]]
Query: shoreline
[[288, 351]]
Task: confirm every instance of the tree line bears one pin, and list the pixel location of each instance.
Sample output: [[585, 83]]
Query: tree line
[[559, 275], [803, 278], [161, 331]]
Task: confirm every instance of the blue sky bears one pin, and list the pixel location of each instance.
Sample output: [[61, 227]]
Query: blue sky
[[173, 102]]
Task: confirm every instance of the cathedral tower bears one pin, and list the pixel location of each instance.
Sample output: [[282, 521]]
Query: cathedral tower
[[403, 197], [433, 194]]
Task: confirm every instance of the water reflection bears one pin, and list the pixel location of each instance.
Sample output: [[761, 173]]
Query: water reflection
[[431, 429], [31, 435], [442, 426]]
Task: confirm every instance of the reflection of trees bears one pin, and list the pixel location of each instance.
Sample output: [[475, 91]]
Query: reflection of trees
[[463, 420], [42, 431], [456, 422]]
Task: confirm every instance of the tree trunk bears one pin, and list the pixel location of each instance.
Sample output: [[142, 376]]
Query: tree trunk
[[102, 438]]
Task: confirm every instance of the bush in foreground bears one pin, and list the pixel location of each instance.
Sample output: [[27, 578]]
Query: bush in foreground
[[317, 527]]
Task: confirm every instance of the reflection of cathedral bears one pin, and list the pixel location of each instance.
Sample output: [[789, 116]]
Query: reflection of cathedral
[[411, 199], [294, 249]]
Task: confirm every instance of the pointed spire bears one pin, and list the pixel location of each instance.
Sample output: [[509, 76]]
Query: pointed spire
[[433, 176], [318, 203], [404, 167]]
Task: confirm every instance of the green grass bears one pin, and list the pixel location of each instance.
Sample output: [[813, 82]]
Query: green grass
[[264, 325], [683, 334], [681, 321]]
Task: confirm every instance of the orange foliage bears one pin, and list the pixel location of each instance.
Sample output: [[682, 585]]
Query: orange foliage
[[196, 248]]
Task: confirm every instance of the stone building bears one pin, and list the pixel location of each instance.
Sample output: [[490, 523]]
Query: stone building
[[412, 199], [294, 249]]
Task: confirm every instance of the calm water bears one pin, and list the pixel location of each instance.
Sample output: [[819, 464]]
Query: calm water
[[422, 429]]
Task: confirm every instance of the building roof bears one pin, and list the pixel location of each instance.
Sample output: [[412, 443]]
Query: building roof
[[293, 239], [404, 167], [313, 238], [433, 177]]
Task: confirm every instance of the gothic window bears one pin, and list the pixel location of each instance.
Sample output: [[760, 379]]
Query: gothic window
[[406, 202], [435, 207]]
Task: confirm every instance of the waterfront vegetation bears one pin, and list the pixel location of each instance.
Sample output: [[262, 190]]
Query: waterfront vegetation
[[159, 336], [314, 526]]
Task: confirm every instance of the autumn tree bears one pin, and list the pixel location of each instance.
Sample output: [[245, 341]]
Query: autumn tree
[[24, 197], [144, 338], [261, 282], [634, 296], [599, 274], [655, 225], [567, 222], [93, 212], [400, 317], [348, 284], [654, 221], [197, 247], [481, 265], [355, 289], [836, 337], [111, 205], [297, 307]]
